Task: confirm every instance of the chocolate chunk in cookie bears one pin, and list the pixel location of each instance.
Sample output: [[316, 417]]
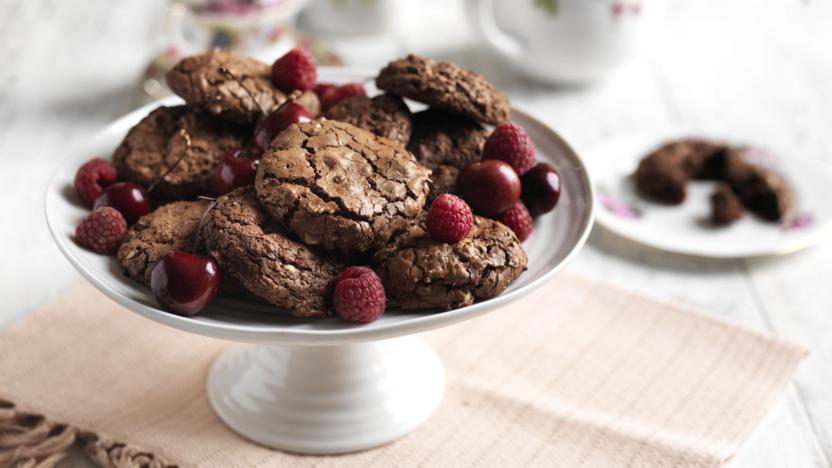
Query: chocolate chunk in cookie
[[726, 207], [250, 246], [446, 86], [339, 186], [445, 143], [385, 115], [155, 144], [762, 192], [422, 273], [202, 82], [169, 227]]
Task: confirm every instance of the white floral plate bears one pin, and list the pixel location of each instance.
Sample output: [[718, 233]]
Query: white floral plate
[[685, 229]]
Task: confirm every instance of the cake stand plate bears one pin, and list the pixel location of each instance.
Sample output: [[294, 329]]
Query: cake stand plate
[[324, 386]]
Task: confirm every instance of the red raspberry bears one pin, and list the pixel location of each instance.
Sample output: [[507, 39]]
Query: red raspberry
[[359, 295], [295, 70], [510, 143], [331, 94], [449, 219], [518, 219], [92, 178], [102, 230]]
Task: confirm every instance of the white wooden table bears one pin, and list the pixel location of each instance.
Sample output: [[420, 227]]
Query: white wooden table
[[757, 70]]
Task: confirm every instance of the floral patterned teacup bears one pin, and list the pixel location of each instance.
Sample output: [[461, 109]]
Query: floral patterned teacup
[[562, 41]]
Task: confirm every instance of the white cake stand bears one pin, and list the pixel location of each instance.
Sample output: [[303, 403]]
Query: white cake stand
[[324, 386]]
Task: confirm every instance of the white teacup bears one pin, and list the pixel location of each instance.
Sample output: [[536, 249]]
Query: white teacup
[[351, 17], [562, 41]]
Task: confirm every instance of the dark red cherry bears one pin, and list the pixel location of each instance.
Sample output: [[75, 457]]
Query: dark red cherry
[[184, 283], [541, 189], [490, 186], [235, 170], [279, 120], [130, 199]]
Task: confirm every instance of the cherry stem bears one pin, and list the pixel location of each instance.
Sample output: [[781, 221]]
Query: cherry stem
[[202, 219], [184, 153], [225, 71]]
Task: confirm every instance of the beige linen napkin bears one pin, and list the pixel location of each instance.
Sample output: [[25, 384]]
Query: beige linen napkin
[[577, 374]]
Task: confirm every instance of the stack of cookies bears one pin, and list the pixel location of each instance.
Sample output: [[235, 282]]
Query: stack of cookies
[[345, 208]]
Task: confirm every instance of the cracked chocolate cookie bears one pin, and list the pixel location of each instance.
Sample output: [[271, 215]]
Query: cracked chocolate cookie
[[421, 273], [169, 227], [339, 186], [385, 115], [444, 143], [446, 86], [155, 144], [202, 83], [250, 246]]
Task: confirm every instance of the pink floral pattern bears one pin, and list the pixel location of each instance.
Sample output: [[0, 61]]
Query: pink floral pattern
[[621, 8], [618, 206], [799, 222]]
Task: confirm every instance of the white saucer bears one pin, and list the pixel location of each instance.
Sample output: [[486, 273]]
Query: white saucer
[[684, 229], [374, 391]]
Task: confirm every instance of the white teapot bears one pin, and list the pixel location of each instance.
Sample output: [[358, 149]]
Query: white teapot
[[562, 41]]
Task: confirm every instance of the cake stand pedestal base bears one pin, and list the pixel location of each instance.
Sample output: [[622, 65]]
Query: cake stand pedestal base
[[327, 399]]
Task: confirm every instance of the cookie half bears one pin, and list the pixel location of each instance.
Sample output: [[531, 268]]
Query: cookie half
[[339, 186], [202, 83], [250, 246], [762, 191], [170, 227], [445, 143], [385, 115], [155, 144], [446, 86], [425, 274]]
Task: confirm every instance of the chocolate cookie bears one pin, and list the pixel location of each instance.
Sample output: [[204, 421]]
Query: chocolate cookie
[[422, 273], [444, 143], [726, 207], [250, 246], [446, 86], [202, 83], [339, 186], [443, 180], [762, 192], [169, 227], [662, 177], [663, 174], [385, 115], [155, 144]]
